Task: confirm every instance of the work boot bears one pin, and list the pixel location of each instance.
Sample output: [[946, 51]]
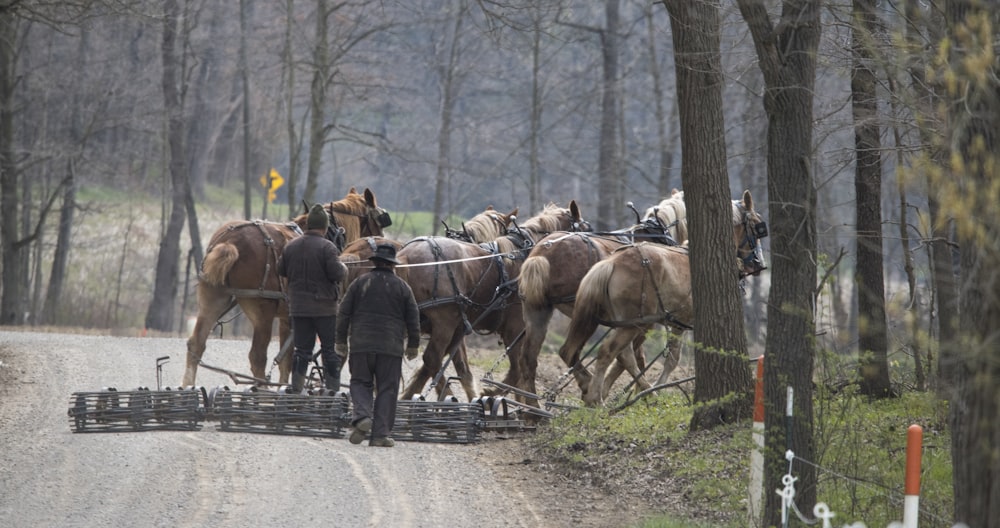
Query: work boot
[[361, 430], [300, 366], [331, 370], [383, 441], [332, 380]]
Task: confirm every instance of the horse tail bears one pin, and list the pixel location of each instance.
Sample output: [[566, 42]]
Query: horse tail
[[532, 280], [218, 262], [592, 293]]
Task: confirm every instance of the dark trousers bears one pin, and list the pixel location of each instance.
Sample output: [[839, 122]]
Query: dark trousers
[[304, 333], [371, 373]]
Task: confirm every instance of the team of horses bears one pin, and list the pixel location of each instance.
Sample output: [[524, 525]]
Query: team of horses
[[496, 275]]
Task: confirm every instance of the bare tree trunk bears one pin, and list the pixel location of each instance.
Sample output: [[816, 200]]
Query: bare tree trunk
[[665, 142], [534, 167], [317, 102], [161, 309], [449, 96], [61, 255], [787, 57], [13, 301], [608, 179], [294, 144], [721, 348], [873, 342], [245, 81]]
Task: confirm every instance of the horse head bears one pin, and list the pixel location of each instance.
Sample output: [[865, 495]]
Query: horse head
[[375, 218], [748, 229]]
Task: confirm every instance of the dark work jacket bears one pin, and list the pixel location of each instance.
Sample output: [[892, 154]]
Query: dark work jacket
[[377, 313], [314, 270]]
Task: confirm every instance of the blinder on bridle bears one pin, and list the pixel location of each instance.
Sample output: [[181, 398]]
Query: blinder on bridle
[[383, 218], [752, 234]]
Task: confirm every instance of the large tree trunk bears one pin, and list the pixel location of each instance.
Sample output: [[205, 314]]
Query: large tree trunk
[[787, 55], [248, 179], [974, 122], [535, 132], [317, 102], [294, 143], [60, 256], [721, 349], [449, 96], [873, 359], [666, 142], [161, 309], [608, 180], [13, 301]]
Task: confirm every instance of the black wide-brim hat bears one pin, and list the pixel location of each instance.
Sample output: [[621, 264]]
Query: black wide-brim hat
[[385, 253]]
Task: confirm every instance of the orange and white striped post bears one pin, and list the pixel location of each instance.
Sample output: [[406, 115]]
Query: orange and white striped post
[[757, 455], [914, 451]]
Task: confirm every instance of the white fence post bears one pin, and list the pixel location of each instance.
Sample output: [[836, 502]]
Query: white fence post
[[757, 455]]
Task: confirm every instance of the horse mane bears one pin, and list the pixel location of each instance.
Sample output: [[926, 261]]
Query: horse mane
[[546, 221], [670, 210], [485, 227], [549, 220]]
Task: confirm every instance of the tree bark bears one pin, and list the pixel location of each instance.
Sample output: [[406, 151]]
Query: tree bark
[[608, 180], [449, 80], [974, 120], [724, 381], [14, 290], [161, 309], [873, 359], [317, 102], [787, 58], [60, 256]]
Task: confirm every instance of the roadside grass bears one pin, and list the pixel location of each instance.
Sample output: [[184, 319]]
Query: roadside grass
[[700, 479]]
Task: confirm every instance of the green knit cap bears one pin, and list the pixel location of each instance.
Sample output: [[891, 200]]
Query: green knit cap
[[317, 219]]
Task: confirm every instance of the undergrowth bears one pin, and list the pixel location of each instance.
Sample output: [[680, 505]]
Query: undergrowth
[[698, 479]]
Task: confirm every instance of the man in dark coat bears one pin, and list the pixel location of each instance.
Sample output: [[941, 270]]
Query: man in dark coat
[[314, 270], [377, 314]]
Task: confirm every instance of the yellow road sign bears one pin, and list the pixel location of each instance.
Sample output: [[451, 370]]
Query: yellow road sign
[[272, 181]]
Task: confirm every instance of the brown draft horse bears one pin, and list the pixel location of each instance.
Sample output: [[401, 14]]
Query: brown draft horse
[[463, 287], [240, 268], [640, 286], [543, 291]]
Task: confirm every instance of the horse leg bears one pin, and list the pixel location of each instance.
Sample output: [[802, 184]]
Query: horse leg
[[627, 360], [212, 304], [261, 314], [570, 353], [461, 362], [536, 324], [284, 337], [605, 355], [619, 365], [432, 359], [673, 356]]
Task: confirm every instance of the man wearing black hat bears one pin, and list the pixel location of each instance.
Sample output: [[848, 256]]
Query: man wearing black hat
[[314, 270], [378, 312]]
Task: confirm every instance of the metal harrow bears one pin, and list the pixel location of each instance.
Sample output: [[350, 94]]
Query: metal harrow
[[111, 410], [438, 421], [266, 407], [256, 410]]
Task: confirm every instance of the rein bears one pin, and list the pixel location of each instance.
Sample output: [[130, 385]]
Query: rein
[[504, 289]]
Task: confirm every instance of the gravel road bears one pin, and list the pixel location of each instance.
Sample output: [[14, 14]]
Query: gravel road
[[50, 476]]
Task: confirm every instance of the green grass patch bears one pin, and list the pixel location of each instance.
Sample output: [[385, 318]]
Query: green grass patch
[[701, 478]]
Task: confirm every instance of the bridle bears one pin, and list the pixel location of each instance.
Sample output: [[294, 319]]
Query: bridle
[[752, 233]]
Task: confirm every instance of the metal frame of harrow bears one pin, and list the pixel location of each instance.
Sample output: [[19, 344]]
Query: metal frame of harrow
[[259, 409]]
